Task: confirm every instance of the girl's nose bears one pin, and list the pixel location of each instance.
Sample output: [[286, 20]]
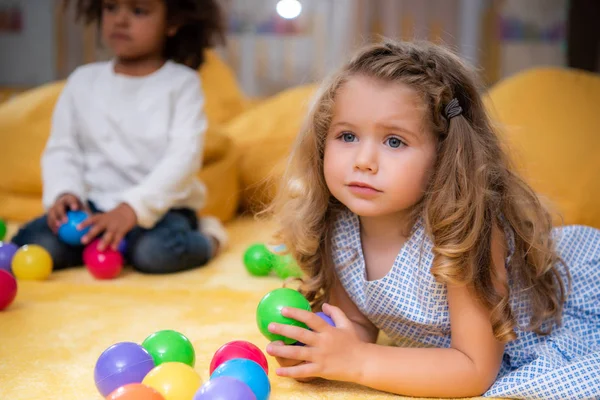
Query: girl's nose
[[122, 16], [366, 158]]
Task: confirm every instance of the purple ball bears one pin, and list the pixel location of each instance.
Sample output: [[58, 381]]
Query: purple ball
[[225, 388], [326, 318], [122, 248], [121, 364], [7, 251]]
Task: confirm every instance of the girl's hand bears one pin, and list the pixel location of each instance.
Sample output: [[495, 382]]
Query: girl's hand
[[57, 214], [330, 353], [287, 362], [115, 224]]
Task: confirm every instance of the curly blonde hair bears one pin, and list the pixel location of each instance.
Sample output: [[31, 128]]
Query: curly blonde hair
[[472, 185]]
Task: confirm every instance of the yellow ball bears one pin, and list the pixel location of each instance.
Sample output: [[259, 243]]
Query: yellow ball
[[32, 262], [174, 380]]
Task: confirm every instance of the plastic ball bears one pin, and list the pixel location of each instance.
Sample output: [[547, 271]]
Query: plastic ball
[[225, 388], [121, 364], [248, 372], [105, 264], [135, 391], [122, 247], [285, 267], [7, 252], [239, 349], [326, 318], [32, 262], [2, 229], [8, 289], [174, 380], [68, 231], [258, 260], [170, 346], [269, 310]]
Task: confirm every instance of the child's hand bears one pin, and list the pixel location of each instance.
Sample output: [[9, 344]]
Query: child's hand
[[286, 362], [115, 224], [57, 214], [330, 353]]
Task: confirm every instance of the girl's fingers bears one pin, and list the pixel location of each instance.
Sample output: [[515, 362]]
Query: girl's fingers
[[292, 355], [106, 241], [294, 332], [301, 371], [96, 229]]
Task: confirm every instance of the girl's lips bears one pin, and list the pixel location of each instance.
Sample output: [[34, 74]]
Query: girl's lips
[[119, 36], [362, 189]]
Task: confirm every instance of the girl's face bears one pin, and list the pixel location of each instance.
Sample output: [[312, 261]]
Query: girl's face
[[135, 29], [378, 154]]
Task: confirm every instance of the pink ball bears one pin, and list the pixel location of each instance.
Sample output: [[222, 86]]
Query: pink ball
[[239, 349], [106, 264], [8, 289]]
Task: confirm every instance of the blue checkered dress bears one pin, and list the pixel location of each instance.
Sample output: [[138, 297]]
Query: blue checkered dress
[[411, 308]]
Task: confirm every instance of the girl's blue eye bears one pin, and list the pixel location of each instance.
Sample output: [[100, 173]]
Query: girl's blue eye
[[139, 11], [348, 137], [394, 142]]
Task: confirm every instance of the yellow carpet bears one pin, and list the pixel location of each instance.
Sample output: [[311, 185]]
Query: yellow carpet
[[52, 335]]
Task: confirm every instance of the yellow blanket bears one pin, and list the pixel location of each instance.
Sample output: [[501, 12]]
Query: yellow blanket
[[52, 335]]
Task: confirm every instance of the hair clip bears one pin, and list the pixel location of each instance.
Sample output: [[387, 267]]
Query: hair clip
[[453, 109]]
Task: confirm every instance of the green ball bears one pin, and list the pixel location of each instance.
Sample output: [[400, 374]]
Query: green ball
[[269, 310], [170, 346], [258, 260], [285, 267], [2, 229]]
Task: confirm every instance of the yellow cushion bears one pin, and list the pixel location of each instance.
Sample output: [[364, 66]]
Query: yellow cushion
[[224, 99], [551, 122], [25, 126], [264, 135], [7, 93]]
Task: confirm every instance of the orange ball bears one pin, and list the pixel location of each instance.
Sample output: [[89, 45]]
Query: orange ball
[[135, 391]]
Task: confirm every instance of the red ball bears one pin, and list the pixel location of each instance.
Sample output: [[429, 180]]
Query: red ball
[[239, 349], [106, 264], [8, 289]]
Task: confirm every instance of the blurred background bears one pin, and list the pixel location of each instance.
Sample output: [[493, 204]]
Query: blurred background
[[276, 44]]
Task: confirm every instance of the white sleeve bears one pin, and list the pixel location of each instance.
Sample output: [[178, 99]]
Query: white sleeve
[[62, 160], [173, 177]]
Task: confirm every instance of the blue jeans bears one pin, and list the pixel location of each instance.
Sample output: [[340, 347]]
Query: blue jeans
[[173, 244]]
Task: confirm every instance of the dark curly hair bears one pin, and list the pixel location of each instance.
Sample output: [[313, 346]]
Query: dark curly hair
[[201, 26]]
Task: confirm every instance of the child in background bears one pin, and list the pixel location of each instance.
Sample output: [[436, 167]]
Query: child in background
[[401, 207], [127, 139]]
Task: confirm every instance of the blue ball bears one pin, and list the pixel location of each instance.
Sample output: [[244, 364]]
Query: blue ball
[[248, 372], [68, 231]]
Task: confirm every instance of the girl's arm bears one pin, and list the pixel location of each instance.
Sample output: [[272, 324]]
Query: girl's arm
[[366, 331], [467, 368], [62, 160]]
